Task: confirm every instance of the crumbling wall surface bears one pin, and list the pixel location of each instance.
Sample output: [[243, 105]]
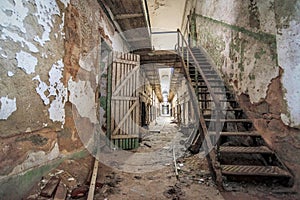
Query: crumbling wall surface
[[49, 78], [288, 49], [255, 47], [32, 91], [249, 43]]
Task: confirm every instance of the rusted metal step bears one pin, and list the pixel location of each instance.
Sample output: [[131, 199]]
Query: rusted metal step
[[249, 170], [211, 80], [212, 86], [193, 70], [244, 133], [243, 155], [200, 58], [225, 109], [245, 150], [221, 100], [229, 120], [200, 62], [221, 92], [212, 75]]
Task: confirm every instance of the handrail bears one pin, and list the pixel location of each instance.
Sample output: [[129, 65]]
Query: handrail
[[213, 95], [215, 99], [208, 146]]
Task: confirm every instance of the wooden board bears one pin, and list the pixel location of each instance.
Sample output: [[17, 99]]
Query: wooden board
[[50, 187]]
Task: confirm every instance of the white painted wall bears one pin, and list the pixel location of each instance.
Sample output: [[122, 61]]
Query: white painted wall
[[288, 47], [165, 15]]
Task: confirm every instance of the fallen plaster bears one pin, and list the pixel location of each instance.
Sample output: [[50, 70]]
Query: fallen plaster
[[7, 107], [10, 74]]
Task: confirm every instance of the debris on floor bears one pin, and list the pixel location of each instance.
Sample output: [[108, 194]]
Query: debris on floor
[[71, 179]]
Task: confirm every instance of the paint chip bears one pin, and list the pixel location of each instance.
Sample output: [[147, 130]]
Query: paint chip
[[8, 106], [10, 73], [26, 61]]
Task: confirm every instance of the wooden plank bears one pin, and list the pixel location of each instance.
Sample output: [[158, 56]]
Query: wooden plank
[[118, 79], [113, 103], [124, 136], [137, 93], [131, 89], [122, 109], [93, 181], [118, 60], [61, 192], [50, 187], [134, 113], [128, 16], [127, 94], [121, 85], [125, 117], [124, 98]]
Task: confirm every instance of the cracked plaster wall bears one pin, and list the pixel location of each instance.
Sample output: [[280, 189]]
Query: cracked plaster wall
[[255, 47], [249, 43], [50, 72]]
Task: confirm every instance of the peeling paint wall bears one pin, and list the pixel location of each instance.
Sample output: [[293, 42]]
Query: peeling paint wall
[[248, 47], [50, 54], [288, 45], [27, 55], [32, 93]]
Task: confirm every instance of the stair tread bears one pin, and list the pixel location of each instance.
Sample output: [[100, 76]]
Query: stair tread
[[221, 100], [252, 170], [240, 149], [225, 109], [211, 80], [229, 120], [213, 86], [216, 92], [244, 133]]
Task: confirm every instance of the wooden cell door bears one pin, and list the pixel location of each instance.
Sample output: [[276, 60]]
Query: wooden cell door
[[125, 114]]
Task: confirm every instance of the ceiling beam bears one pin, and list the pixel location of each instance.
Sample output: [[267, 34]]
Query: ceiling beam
[[137, 39], [128, 16]]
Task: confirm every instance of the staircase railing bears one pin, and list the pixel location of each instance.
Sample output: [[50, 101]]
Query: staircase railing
[[183, 44], [188, 55]]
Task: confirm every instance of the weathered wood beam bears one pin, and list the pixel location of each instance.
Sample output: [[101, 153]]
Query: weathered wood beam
[[128, 16], [93, 181]]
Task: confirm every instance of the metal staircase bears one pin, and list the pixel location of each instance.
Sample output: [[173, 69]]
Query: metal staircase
[[235, 150]]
